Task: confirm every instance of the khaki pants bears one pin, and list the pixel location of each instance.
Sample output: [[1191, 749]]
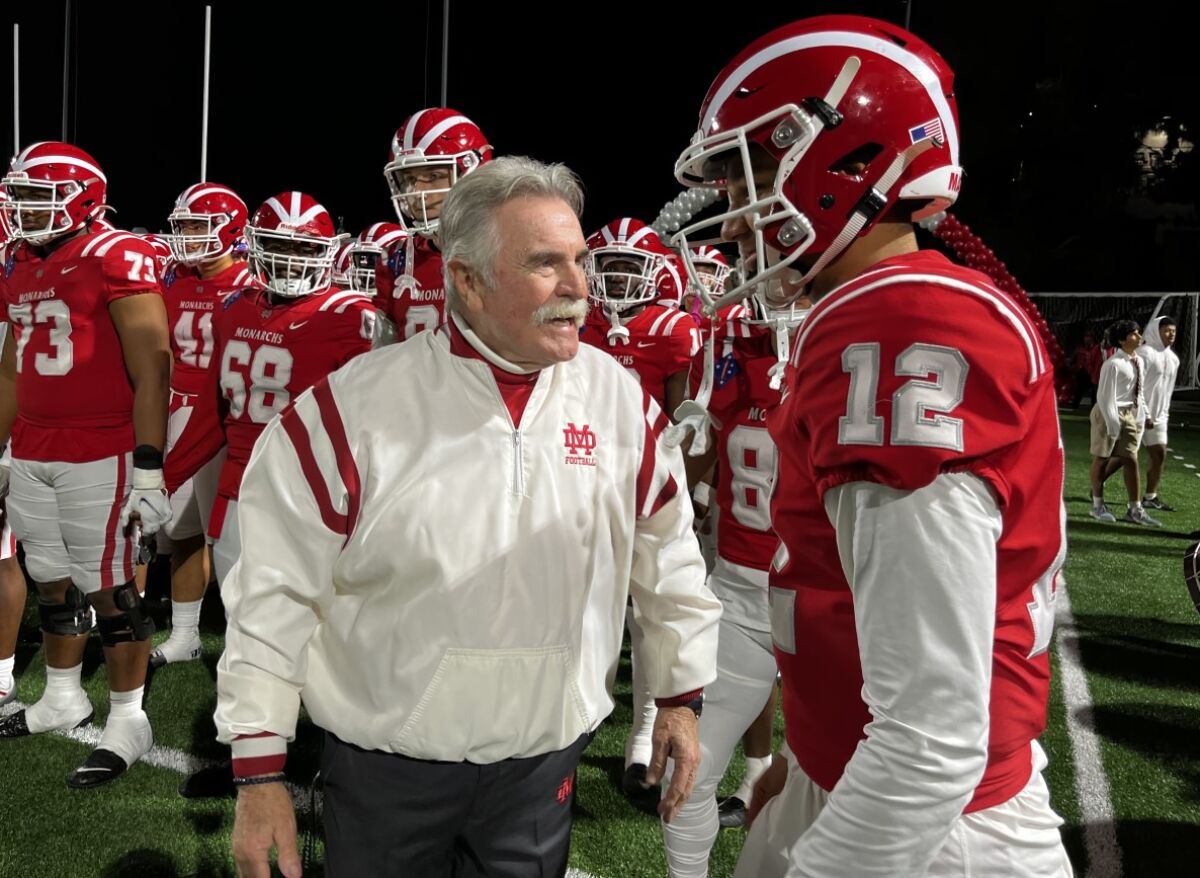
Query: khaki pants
[[1128, 440]]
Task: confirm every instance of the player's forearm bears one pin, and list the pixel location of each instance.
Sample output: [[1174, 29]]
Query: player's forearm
[[922, 566], [151, 397]]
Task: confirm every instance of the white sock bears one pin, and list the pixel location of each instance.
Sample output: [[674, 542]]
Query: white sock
[[127, 731], [1134, 507], [6, 675], [185, 619], [125, 703], [1097, 502], [1151, 495], [755, 768], [63, 686], [63, 704]]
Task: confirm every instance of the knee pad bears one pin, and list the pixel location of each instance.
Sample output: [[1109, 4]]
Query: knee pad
[[73, 616], [131, 624]]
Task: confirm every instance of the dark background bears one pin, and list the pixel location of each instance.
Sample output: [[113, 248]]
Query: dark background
[[1054, 98]]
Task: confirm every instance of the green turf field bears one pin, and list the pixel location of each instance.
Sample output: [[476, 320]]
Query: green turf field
[[1136, 634]]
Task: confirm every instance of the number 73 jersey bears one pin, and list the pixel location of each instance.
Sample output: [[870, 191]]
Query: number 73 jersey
[[74, 399], [916, 368]]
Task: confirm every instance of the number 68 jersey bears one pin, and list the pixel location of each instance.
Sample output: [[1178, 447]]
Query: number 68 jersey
[[266, 353], [915, 368], [74, 399]]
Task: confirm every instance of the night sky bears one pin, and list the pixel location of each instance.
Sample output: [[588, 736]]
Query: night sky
[[1053, 97]]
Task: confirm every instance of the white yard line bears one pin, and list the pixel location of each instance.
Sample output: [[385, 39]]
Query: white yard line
[[1091, 783]]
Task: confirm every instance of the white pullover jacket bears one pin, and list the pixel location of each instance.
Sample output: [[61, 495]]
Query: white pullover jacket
[[435, 581]]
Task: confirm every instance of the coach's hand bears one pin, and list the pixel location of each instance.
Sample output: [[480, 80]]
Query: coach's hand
[[767, 787], [265, 819], [677, 735]]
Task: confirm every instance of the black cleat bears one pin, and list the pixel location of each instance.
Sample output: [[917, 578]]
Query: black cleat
[[102, 767], [14, 725], [731, 812], [210, 782], [1156, 503]]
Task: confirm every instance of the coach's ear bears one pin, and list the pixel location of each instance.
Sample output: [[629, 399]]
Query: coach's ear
[[468, 284]]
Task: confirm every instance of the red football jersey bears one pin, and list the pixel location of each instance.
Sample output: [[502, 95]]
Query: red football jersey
[[265, 355], [662, 342], [916, 368], [191, 301], [74, 399], [416, 303], [741, 399]]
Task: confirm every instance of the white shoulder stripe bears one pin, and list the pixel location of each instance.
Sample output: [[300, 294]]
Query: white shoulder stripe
[[121, 237], [1000, 303], [658, 321], [343, 299], [670, 327], [92, 244]]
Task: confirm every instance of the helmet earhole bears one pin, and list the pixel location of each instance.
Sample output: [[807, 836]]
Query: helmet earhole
[[826, 201]]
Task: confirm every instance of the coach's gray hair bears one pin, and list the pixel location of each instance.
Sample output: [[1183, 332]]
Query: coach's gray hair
[[467, 227]]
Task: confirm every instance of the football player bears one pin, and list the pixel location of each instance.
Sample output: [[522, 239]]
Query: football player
[[84, 384], [918, 499], [628, 273], [208, 252], [737, 386], [271, 342], [430, 151]]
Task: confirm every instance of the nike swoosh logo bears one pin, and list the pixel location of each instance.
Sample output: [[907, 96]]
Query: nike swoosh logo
[[645, 344], [68, 270], [297, 325]]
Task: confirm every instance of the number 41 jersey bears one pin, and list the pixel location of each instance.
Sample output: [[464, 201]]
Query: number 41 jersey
[[192, 304], [74, 399], [916, 368]]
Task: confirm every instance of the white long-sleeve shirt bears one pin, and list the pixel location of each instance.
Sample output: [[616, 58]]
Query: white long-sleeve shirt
[[433, 580], [1162, 369], [1122, 384]]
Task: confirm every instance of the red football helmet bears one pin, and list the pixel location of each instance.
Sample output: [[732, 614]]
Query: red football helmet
[[292, 242], [223, 215], [341, 265], [712, 268], [53, 188], [430, 151], [855, 114], [162, 250], [372, 247], [626, 264]]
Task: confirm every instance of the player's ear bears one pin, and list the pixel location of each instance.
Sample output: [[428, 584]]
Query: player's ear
[[468, 283]]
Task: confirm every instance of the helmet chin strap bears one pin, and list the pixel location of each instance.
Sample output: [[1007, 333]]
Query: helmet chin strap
[[782, 354], [859, 218], [406, 283]]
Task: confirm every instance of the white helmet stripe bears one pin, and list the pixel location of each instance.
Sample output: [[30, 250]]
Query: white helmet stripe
[[193, 196], [439, 129], [608, 236], [59, 159], [411, 127], [623, 229], [295, 206], [910, 62], [638, 235], [274, 204]]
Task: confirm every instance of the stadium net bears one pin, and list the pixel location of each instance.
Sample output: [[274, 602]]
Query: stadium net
[[1072, 314]]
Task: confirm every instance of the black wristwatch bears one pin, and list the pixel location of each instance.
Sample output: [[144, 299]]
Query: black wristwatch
[[697, 705]]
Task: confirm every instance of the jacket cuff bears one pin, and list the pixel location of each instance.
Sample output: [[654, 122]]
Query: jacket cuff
[[264, 753], [679, 700]]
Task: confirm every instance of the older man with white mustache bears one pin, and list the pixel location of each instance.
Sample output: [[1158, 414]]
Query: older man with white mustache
[[439, 543]]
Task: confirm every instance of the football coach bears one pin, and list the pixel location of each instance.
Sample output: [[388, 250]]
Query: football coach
[[438, 543]]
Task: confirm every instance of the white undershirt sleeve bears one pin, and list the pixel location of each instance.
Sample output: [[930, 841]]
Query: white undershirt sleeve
[[922, 568]]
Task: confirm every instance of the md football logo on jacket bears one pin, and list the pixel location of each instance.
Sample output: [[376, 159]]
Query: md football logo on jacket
[[578, 439]]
